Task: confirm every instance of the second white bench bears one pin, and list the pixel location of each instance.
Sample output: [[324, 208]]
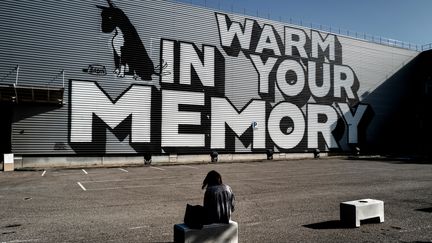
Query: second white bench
[[352, 212]]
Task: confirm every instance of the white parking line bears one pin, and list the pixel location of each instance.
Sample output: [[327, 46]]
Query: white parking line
[[157, 168], [123, 170], [139, 227], [43, 173], [82, 187], [85, 172], [19, 241], [253, 224], [190, 167]]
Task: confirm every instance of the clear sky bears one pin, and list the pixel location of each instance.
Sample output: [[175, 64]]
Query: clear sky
[[404, 20]]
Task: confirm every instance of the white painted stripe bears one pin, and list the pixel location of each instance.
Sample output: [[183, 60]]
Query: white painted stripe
[[123, 170], [43, 173], [85, 172], [82, 187], [253, 224], [157, 168], [190, 167], [19, 241], [139, 227]]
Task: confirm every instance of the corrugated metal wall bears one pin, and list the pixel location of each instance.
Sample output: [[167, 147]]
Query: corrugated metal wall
[[46, 37]]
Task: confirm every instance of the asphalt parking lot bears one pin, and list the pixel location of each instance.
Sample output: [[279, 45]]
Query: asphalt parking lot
[[277, 201]]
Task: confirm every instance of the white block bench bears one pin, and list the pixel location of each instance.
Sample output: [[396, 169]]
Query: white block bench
[[352, 212], [209, 233]]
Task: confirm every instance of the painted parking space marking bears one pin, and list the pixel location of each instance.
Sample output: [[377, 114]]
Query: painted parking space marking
[[82, 187], [253, 223], [20, 241], [157, 168], [190, 167], [139, 227], [123, 170], [43, 173], [85, 172]]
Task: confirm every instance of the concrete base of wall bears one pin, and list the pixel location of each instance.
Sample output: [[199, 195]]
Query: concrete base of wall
[[8, 167], [169, 159]]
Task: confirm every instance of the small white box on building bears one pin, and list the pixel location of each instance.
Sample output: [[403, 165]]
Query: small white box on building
[[352, 212], [8, 162]]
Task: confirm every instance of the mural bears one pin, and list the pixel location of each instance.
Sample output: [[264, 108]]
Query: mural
[[189, 111], [128, 49]]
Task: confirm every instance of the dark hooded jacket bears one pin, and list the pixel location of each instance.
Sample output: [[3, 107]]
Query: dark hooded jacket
[[219, 202]]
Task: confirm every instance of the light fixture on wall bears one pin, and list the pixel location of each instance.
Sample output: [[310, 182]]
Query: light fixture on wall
[[357, 150], [214, 156], [316, 153], [147, 159], [269, 153]]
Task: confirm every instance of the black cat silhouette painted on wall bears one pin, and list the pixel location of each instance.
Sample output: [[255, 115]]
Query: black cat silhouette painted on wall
[[128, 49]]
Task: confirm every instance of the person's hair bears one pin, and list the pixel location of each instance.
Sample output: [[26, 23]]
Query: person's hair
[[213, 178]]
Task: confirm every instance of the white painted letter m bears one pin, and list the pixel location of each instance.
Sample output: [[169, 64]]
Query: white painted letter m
[[87, 98]]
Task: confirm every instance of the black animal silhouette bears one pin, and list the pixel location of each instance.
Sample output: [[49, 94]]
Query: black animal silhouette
[[128, 48]]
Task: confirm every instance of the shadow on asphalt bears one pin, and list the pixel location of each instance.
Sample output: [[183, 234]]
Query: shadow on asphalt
[[427, 210], [414, 241], [337, 224], [332, 224], [393, 159]]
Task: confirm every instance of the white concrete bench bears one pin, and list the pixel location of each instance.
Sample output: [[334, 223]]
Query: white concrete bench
[[209, 233], [352, 212]]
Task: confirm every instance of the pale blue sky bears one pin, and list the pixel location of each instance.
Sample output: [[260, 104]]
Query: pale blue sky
[[403, 20]]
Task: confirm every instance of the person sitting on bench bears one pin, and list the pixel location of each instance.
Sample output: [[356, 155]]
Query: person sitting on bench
[[219, 199]]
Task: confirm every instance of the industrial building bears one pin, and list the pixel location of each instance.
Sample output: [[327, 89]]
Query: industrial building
[[108, 82]]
